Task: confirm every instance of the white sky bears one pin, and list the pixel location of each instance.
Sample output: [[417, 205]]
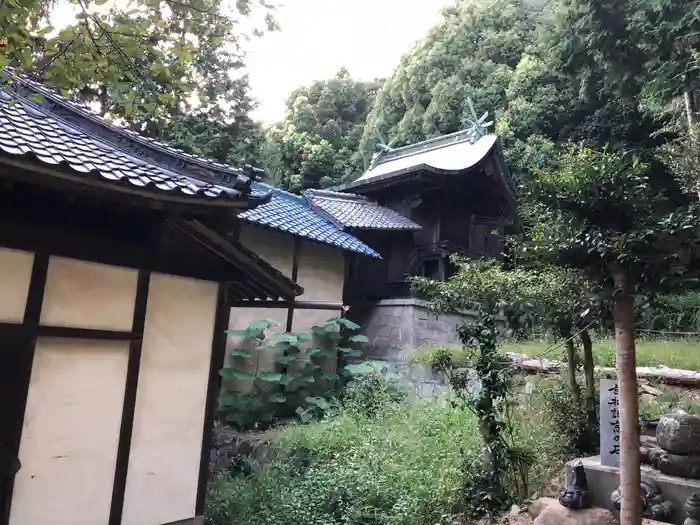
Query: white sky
[[318, 37]]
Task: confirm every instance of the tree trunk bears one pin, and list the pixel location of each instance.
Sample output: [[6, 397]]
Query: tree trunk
[[571, 368], [630, 476], [689, 100], [589, 373]]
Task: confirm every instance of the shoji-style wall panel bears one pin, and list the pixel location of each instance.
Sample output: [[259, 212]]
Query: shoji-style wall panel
[[70, 433], [89, 295], [170, 401], [15, 273]]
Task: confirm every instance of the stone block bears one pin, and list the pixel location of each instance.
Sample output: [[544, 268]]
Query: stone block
[[557, 514], [679, 433], [602, 480]]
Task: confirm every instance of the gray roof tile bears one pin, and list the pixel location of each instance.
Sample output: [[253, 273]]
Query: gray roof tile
[[61, 133], [42, 133], [356, 211]]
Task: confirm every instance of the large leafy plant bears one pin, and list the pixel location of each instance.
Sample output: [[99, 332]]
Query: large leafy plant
[[300, 382]]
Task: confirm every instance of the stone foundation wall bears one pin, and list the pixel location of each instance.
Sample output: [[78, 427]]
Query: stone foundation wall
[[396, 327]]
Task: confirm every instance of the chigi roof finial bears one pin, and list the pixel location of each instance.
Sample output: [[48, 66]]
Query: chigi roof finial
[[383, 147], [478, 127]]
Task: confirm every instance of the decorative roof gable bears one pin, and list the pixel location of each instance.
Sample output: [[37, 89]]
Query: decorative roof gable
[[356, 211]]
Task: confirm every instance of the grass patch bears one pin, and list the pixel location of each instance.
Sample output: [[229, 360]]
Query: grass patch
[[676, 353], [400, 466]]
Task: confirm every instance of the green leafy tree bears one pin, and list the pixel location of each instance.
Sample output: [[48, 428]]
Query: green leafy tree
[[562, 301], [317, 143], [631, 228], [167, 69]]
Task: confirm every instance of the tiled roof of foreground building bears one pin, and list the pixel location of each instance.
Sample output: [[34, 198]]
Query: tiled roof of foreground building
[[62, 135], [357, 211]]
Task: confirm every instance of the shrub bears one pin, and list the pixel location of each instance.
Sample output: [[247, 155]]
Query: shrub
[[575, 435], [368, 393], [671, 313], [380, 461], [400, 467]]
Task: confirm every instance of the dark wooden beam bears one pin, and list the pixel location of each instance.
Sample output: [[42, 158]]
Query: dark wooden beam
[[295, 275], [294, 305], [276, 286], [218, 353], [129, 405], [86, 333], [93, 248], [32, 314]]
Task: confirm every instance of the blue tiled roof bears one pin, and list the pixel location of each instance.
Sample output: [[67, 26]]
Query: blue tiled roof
[[291, 213]]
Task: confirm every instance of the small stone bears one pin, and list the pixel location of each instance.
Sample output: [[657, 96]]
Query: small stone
[[537, 506], [679, 433], [557, 514], [514, 511]]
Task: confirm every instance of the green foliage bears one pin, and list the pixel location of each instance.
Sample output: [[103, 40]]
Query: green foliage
[[574, 433], [369, 392], [555, 299], [651, 407], [472, 54], [677, 352], [317, 143], [399, 465], [458, 356], [486, 491], [298, 384], [167, 69], [604, 211], [640, 49], [682, 156], [536, 68], [678, 313]]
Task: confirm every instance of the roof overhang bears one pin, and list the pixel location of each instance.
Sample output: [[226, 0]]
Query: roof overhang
[[81, 151], [27, 170], [259, 280], [486, 154]]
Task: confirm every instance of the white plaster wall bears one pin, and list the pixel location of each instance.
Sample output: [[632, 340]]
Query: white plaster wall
[[88, 295], [170, 401], [275, 247], [71, 433], [321, 271], [15, 274]]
